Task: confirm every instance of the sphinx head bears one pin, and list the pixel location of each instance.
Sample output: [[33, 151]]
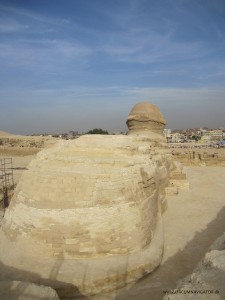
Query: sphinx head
[[145, 119]]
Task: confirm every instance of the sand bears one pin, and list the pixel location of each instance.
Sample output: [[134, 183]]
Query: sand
[[4, 133]]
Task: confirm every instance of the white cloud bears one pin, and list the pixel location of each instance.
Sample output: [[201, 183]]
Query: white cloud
[[42, 55], [16, 12], [9, 26]]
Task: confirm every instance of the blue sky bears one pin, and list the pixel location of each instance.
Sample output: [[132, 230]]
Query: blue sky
[[81, 64]]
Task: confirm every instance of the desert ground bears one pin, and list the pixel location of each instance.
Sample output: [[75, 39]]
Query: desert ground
[[194, 219]]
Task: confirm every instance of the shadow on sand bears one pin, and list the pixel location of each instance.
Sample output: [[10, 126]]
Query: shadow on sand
[[64, 290]]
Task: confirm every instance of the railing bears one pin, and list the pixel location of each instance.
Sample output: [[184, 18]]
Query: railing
[[6, 181]]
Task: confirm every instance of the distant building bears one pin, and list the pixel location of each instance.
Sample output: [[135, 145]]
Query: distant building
[[177, 137], [174, 137], [211, 135], [167, 133]]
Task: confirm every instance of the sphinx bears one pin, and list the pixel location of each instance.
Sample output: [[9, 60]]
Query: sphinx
[[88, 212]]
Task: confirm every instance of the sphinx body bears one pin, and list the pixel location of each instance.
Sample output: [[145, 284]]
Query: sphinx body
[[88, 212]]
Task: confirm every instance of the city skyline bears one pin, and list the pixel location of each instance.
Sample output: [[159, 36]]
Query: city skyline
[[78, 65]]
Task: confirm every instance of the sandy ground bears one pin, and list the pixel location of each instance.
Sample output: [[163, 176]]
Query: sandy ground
[[194, 219]]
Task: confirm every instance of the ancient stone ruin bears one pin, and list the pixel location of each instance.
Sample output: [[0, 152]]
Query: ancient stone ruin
[[88, 212], [200, 158]]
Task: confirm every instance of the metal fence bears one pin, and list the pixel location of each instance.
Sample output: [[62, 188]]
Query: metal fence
[[6, 181]]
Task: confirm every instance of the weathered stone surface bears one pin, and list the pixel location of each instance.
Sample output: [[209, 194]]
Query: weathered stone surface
[[89, 210], [18, 290], [145, 118]]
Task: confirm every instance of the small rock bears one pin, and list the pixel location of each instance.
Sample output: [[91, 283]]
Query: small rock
[[21, 290]]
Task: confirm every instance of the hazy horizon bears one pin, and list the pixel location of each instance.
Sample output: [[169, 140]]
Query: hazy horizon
[[79, 65]]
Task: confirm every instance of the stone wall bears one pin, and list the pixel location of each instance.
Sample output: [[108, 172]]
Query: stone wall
[[203, 158]]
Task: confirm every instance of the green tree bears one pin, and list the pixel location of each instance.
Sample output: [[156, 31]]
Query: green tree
[[97, 131], [196, 138]]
